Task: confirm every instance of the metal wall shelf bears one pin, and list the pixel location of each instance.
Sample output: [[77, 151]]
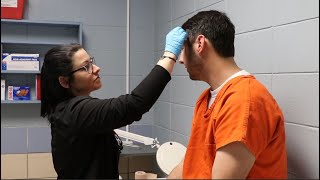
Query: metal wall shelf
[[34, 37], [19, 72], [21, 102]]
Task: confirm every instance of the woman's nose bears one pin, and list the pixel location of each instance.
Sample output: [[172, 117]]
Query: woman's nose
[[96, 68]]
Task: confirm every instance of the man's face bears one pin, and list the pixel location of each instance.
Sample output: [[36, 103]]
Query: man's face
[[191, 61]]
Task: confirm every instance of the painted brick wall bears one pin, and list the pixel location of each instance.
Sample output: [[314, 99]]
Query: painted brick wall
[[278, 42]]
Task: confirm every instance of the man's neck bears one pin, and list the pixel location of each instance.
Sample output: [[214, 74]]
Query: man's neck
[[219, 71]]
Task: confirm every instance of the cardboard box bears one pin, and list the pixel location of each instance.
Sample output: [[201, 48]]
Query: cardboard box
[[17, 93], [10, 93], [12, 9], [21, 62], [3, 89]]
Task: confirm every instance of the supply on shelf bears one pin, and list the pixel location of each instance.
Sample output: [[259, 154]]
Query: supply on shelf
[[3, 89], [23, 62]]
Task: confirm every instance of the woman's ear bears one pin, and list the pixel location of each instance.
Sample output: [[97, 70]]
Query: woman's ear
[[64, 81]]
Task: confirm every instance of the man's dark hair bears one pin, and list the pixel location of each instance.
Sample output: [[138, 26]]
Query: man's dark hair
[[57, 62], [216, 27]]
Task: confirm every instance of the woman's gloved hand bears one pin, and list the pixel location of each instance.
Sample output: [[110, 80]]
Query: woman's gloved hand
[[174, 40]]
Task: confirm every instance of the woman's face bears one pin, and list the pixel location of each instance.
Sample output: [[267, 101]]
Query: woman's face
[[86, 76]]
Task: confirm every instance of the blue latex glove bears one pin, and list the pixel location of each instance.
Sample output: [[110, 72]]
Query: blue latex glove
[[174, 40]]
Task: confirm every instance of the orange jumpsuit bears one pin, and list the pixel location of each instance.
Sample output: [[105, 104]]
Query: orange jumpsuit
[[243, 111]]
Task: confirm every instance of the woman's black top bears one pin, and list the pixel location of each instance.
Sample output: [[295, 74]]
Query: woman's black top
[[83, 141]]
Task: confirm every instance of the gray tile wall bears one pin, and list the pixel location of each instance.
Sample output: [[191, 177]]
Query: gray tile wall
[[278, 42], [104, 37], [20, 140], [142, 53], [14, 140], [39, 139]]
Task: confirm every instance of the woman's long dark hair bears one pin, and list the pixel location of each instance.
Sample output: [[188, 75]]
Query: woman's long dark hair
[[57, 62]]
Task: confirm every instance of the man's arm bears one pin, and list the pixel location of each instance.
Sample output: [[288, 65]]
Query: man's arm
[[233, 161], [176, 173]]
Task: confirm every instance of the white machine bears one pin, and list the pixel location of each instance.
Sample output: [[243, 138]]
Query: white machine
[[138, 138], [169, 154]]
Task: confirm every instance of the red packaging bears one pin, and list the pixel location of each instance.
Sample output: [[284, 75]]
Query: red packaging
[[12, 9], [38, 86]]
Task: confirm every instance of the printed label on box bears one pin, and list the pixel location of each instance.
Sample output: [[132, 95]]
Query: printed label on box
[[10, 92], [21, 93], [18, 93], [23, 62], [9, 3]]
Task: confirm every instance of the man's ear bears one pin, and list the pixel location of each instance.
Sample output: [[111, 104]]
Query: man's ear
[[64, 81], [200, 44]]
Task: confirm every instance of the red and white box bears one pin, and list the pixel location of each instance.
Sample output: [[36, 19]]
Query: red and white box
[[10, 93], [12, 9]]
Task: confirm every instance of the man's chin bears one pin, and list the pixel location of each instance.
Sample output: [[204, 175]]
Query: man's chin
[[193, 78], [98, 87]]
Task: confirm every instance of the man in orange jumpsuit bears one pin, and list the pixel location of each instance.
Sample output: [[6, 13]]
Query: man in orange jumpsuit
[[237, 128]]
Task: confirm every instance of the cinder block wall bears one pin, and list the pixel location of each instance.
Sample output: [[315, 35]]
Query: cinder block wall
[[26, 153], [25, 136], [278, 42]]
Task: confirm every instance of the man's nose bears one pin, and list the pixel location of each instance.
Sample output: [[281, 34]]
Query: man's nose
[[181, 60]]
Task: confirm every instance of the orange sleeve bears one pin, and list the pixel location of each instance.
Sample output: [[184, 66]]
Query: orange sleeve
[[234, 121]]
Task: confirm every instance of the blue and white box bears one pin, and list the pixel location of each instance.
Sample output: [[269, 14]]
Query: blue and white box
[[18, 93], [21, 62]]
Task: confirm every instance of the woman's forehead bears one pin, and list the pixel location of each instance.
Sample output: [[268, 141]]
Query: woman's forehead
[[80, 57]]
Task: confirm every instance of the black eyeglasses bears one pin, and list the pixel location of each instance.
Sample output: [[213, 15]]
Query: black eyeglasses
[[88, 67]]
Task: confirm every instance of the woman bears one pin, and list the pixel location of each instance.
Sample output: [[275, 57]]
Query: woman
[[84, 145]]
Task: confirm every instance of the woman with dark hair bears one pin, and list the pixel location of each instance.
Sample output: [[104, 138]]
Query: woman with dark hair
[[84, 144]]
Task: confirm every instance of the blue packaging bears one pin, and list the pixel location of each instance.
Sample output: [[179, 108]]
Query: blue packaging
[[21, 93]]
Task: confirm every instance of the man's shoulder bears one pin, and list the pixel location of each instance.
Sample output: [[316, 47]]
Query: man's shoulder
[[245, 84]]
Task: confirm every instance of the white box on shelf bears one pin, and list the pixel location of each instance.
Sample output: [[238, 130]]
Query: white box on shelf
[[21, 62], [3, 89]]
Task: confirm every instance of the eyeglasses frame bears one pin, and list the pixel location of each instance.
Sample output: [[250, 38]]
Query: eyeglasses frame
[[92, 62]]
